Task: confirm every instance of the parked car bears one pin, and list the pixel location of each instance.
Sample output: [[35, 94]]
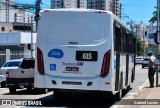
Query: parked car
[[139, 60], [2, 80], [10, 64], [145, 62], [22, 77]]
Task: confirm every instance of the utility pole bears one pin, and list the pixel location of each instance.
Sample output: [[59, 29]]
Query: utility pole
[[120, 13], [144, 42], [38, 8], [32, 37], [158, 32], [7, 10]]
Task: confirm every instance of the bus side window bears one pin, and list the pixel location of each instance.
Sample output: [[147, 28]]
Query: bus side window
[[127, 42], [130, 43], [123, 40], [118, 38], [114, 37]]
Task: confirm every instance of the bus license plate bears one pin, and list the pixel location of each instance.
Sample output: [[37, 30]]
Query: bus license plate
[[86, 55], [75, 69]]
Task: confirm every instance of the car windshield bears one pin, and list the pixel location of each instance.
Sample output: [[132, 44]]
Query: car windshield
[[139, 58], [12, 64]]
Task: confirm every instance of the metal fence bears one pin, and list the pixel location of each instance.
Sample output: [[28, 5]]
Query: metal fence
[[2, 57]]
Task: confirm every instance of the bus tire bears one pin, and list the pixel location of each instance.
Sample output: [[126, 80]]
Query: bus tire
[[29, 89], [61, 95], [57, 94], [118, 96], [129, 87], [43, 90]]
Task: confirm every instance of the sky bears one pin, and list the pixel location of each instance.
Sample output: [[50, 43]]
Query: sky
[[136, 10]]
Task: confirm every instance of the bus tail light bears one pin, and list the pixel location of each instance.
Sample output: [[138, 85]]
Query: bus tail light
[[106, 64], [40, 62]]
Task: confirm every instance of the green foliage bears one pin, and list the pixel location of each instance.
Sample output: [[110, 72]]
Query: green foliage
[[154, 18], [141, 47]]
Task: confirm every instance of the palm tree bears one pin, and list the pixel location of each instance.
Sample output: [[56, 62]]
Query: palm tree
[[154, 18]]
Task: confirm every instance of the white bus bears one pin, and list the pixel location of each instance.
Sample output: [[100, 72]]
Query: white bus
[[83, 50]]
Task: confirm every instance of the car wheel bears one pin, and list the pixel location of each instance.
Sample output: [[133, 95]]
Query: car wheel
[[3, 84], [12, 90], [29, 89], [142, 66]]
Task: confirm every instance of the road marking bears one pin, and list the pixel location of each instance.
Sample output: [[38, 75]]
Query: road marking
[[3, 90]]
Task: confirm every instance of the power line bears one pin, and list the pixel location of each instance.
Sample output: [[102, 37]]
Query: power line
[[18, 6], [46, 5]]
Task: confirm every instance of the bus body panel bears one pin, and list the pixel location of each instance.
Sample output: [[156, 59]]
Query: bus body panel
[[96, 39], [78, 83], [39, 80], [62, 36]]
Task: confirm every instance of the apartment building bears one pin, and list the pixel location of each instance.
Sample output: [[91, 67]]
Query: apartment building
[[6, 14], [9, 14], [115, 7], [110, 5], [70, 3], [56, 4]]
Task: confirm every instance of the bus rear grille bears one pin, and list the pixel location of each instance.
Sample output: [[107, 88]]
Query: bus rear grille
[[71, 83]]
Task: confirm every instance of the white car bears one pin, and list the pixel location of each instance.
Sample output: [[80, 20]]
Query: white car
[[145, 62], [11, 64], [139, 60]]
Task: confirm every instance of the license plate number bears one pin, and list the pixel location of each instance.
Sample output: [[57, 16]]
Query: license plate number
[[76, 69]]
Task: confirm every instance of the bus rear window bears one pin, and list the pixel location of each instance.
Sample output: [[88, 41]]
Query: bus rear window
[[73, 26]]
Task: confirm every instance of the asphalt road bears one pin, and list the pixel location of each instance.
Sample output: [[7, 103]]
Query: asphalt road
[[75, 100]]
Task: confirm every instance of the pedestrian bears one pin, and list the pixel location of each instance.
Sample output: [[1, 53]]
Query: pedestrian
[[151, 68]]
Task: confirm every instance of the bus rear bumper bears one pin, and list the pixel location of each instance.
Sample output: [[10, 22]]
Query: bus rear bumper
[[78, 83]]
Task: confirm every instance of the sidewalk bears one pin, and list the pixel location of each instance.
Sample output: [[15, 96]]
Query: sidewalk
[[147, 93]]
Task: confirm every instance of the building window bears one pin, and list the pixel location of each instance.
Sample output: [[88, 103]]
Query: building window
[[2, 29]]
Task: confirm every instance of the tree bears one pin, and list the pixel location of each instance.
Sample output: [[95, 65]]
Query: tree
[[140, 47], [154, 18]]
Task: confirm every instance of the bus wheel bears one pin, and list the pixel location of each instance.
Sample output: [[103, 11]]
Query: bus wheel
[[129, 87], [57, 94], [29, 89], [118, 96], [61, 95], [41, 90]]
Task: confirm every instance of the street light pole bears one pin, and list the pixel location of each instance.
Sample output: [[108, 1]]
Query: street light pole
[[32, 37], [144, 42], [158, 6]]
